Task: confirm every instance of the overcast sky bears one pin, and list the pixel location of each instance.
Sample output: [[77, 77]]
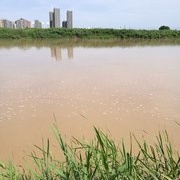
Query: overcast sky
[[149, 14]]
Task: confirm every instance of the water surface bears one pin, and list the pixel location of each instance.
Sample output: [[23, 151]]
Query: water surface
[[118, 86]]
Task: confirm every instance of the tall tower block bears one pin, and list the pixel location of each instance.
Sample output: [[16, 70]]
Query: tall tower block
[[69, 19], [51, 22], [56, 17]]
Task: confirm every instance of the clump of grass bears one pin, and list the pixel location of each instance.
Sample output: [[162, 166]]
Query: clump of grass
[[101, 159]]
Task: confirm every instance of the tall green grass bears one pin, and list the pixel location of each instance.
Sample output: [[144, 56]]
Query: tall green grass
[[100, 159]]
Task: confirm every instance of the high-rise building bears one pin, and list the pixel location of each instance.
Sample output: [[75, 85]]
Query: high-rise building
[[37, 24], [69, 20], [64, 24], [54, 18], [22, 23], [57, 18], [51, 24]]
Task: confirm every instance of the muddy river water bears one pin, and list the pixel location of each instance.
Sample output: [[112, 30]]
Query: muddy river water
[[120, 87]]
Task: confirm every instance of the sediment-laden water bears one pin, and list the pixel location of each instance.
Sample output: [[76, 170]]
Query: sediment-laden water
[[119, 86]]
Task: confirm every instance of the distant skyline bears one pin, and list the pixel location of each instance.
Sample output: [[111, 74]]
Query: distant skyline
[[138, 14]]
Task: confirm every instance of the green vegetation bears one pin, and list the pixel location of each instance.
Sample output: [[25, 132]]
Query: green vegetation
[[164, 28], [61, 33], [100, 159]]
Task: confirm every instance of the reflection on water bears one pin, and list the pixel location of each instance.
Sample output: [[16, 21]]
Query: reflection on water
[[119, 86], [70, 52], [26, 44], [56, 52]]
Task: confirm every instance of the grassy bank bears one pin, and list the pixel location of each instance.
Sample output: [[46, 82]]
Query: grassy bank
[[61, 33], [100, 159]]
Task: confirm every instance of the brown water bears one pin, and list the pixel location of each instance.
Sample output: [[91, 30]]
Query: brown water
[[118, 86]]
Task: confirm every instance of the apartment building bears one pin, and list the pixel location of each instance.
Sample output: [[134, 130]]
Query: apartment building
[[37, 24], [4, 23], [22, 23], [1, 24]]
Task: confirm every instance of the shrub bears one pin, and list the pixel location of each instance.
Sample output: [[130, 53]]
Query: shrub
[[164, 28]]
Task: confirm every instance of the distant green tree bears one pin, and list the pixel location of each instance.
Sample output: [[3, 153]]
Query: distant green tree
[[164, 28]]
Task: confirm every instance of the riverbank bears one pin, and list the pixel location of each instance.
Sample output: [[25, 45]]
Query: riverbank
[[77, 33], [101, 158]]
